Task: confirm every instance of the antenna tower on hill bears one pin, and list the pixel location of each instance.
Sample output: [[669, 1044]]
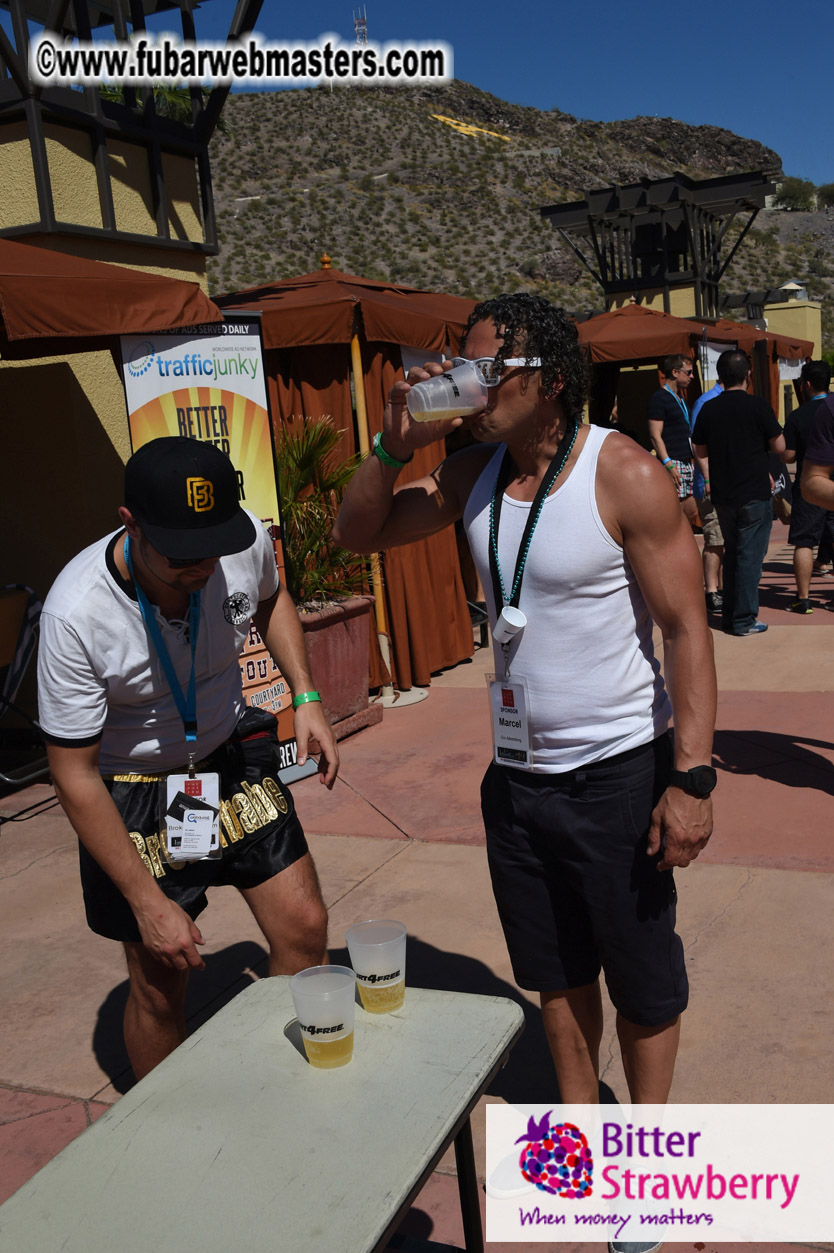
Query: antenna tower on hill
[[360, 26]]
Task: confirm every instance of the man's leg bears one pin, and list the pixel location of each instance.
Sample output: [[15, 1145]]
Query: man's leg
[[154, 1022], [289, 910], [573, 1026], [803, 564], [649, 1059], [712, 569], [690, 510], [754, 522], [727, 515]]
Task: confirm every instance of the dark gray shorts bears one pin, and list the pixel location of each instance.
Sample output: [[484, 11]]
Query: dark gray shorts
[[575, 891]]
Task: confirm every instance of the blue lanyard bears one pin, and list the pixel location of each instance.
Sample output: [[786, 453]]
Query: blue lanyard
[[682, 403], [186, 705]]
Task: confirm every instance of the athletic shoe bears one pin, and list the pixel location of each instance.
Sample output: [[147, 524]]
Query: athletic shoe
[[823, 567], [629, 1246], [507, 1182], [802, 606], [755, 629], [715, 602]]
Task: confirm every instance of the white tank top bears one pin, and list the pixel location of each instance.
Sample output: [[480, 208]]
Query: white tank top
[[594, 683]]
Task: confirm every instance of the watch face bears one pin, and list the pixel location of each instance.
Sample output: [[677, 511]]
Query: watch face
[[703, 779]]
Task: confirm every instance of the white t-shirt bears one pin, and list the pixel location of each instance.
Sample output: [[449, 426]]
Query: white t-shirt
[[99, 674]]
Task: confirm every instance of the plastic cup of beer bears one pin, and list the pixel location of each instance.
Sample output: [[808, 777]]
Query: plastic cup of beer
[[454, 394], [377, 950], [324, 999]]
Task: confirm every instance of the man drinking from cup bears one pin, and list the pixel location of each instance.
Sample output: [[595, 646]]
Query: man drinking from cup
[[580, 544]]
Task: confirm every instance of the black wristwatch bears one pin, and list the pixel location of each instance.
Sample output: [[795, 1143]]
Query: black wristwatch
[[700, 780]]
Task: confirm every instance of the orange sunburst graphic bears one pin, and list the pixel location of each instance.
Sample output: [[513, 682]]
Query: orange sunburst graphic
[[238, 426]]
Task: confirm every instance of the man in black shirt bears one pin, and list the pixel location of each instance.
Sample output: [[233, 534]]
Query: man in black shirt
[[809, 523], [737, 431], [668, 418]]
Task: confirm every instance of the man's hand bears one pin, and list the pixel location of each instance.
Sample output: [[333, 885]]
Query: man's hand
[[676, 475], [170, 935], [311, 723], [400, 433], [681, 826]]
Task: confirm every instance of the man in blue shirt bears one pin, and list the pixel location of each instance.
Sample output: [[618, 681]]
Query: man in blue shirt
[[713, 539]]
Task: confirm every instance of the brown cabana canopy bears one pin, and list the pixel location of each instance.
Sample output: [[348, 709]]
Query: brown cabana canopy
[[308, 324], [47, 296], [635, 333], [321, 308]]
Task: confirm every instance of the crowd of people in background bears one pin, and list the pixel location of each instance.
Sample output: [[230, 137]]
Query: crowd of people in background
[[727, 458]]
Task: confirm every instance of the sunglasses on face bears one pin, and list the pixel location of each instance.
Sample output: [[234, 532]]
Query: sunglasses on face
[[184, 563], [490, 371]]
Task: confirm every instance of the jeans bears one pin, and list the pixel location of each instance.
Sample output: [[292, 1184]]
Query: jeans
[[746, 531]]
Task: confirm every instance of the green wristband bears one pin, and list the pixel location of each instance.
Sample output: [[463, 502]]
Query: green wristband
[[305, 698], [385, 457]]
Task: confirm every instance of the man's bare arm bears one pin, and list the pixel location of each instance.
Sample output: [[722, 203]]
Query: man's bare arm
[[166, 930], [817, 486], [280, 629], [640, 507], [375, 514], [656, 436]]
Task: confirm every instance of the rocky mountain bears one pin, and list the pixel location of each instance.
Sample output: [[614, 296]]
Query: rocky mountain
[[440, 187]]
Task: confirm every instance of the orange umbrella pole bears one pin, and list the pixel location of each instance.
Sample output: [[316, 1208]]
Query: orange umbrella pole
[[364, 434]]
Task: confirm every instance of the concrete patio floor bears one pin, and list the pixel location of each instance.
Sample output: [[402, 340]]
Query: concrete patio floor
[[400, 836]]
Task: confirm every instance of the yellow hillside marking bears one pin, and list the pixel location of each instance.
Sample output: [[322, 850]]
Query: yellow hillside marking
[[466, 128]]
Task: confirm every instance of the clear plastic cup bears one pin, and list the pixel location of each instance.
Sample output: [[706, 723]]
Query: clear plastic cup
[[455, 394], [324, 999], [377, 950]]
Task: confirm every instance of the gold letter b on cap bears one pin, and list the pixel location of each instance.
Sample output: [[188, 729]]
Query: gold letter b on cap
[[200, 495]]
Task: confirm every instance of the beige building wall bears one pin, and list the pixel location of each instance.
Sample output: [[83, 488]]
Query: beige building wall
[[799, 318], [681, 300], [63, 420]]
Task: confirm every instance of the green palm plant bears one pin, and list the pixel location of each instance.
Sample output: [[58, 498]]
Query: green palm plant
[[311, 482]]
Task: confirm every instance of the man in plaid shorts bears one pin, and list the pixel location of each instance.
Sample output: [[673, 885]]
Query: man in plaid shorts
[[669, 430]]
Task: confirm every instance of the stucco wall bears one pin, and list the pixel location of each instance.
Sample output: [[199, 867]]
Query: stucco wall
[[63, 422]]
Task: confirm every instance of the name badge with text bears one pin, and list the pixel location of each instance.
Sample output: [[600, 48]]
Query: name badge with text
[[192, 816], [509, 707]]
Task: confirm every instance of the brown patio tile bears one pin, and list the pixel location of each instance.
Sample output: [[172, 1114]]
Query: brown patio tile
[[28, 1143], [16, 1103], [342, 811], [422, 768]]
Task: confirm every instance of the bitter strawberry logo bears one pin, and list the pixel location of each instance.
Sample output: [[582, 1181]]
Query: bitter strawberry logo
[[557, 1159]]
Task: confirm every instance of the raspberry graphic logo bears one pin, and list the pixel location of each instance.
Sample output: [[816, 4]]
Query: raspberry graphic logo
[[557, 1159]]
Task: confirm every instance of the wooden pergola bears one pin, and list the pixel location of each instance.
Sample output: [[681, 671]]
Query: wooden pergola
[[662, 233]]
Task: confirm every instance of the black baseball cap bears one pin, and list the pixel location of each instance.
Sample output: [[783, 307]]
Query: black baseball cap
[[184, 495]]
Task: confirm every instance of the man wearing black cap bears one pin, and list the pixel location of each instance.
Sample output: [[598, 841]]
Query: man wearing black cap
[[141, 704]]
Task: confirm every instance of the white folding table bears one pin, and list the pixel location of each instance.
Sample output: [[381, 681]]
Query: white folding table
[[235, 1142]]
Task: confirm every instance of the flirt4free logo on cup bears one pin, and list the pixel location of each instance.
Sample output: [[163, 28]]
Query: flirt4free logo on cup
[[727, 1173]]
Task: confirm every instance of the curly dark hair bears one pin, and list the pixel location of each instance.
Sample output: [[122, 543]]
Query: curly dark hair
[[531, 326]]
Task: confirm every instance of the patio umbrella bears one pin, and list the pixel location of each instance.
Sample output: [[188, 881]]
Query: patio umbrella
[[48, 297]]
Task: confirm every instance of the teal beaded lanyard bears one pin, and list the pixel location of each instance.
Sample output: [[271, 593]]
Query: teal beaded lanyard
[[551, 474]]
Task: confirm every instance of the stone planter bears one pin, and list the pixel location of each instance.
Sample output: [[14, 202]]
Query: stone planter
[[337, 637]]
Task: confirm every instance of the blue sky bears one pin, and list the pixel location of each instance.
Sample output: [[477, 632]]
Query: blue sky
[[747, 66]]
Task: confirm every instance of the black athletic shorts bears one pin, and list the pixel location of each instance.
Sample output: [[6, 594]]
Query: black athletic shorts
[[260, 834], [809, 523], [575, 890]]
